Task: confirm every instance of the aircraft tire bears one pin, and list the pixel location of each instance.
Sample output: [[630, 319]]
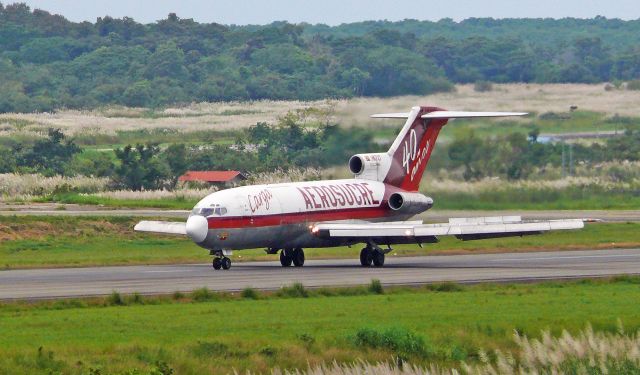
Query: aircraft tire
[[217, 263], [298, 257], [285, 258], [366, 257], [226, 263], [378, 258]]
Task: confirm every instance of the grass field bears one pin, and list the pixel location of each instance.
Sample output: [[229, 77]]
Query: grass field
[[218, 123], [64, 241], [474, 198], [210, 333]]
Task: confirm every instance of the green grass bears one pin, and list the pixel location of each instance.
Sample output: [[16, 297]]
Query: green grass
[[67, 241], [571, 198], [224, 332], [178, 203], [156, 135], [576, 122]]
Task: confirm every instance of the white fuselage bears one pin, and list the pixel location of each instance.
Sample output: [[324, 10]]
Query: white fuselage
[[281, 215]]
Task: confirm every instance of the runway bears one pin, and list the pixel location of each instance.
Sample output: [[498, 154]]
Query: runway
[[77, 282]]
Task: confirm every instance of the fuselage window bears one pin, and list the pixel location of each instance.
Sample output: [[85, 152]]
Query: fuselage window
[[215, 209], [203, 211]]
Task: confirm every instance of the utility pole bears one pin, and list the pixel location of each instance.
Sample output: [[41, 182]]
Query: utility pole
[[563, 162], [570, 159]]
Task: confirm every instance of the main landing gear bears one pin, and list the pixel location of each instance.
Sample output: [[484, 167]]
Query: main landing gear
[[372, 255], [220, 261], [289, 256]]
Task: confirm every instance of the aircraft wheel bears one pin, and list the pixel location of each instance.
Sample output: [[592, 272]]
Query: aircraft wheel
[[217, 263], [378, 258], [298, 257], [366, 257], [285, 258], [226, 263]]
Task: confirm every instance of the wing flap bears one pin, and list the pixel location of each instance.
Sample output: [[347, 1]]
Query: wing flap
[[162, 227], [463, 228]]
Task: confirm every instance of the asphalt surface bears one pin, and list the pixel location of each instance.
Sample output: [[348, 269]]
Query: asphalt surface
[[36, 209], [76, 282]]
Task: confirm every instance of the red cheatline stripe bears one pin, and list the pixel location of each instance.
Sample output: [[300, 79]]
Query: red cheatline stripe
[[297, 217]]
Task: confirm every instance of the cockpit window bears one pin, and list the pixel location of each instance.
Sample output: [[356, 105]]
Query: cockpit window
[[215, 209]]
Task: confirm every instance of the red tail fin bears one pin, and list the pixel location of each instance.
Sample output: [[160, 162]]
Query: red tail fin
[[412, 148], [410, 152]]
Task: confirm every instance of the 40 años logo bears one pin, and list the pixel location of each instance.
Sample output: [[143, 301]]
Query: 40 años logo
[[412, 156]]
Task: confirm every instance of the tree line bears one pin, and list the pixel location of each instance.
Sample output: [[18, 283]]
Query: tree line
[[288, 144], [48, 62], [260, 148]]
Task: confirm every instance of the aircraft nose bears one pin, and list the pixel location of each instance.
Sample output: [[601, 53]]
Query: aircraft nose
[[197, 228]]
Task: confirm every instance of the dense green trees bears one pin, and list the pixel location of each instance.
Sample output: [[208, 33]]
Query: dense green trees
[[48, 156], [288, 144], [48, 62]]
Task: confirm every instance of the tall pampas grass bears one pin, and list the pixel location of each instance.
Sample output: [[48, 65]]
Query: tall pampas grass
[[20, 186], [588, 352], [356, 111]]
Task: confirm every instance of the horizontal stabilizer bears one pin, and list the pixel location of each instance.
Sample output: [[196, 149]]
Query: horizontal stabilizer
[[460, 114], [391, 115], [163, 227]]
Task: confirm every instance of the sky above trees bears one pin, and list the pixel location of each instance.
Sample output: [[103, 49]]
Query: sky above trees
[[334, 12]]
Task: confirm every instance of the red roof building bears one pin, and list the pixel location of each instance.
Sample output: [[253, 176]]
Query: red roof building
[[214, 177]]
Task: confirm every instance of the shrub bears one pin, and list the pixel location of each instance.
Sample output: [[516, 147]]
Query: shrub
[[202, 294], [307, 340], [177, 295], [376, 287], [250, 293], [69, 304], [633, 85], [445, 287], [161, 368], [400, 341], [45, 360], [206, 349], [296, 290], [554, 116], [115, 299], [269, 351], [136, 298], [483, 86]]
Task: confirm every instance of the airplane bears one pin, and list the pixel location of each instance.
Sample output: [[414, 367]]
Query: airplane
[[373, 208]]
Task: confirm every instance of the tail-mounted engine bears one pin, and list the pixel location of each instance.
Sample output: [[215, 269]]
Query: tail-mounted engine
[[370, 166], [411, 203]]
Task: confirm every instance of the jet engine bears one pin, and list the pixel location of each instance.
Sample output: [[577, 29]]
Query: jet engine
[[369, 166], [411, 203]]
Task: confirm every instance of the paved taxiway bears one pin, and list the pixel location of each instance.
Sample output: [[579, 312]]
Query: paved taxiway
[[74, 282], [434, 215]]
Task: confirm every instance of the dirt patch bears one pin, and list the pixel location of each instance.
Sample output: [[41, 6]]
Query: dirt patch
[[13, 229]]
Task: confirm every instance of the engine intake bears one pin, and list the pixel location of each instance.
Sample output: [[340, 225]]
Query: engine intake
[[410, 202], [369, 166], [356, 164]]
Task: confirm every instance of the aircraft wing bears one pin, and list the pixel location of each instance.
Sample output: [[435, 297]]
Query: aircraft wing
[[162, 227], [465, 229]]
